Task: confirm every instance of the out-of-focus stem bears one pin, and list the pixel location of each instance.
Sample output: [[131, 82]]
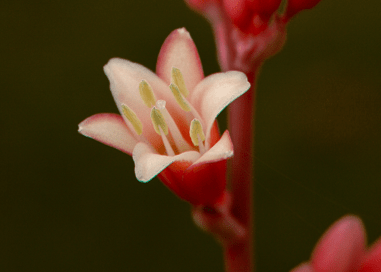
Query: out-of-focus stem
[[239, 257]]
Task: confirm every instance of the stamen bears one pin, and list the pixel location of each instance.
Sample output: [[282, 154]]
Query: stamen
[[158, 121], [134, 120], [146, 94], [178, 138], [179, 98], [201, 146], [183, 103], [196, 133], [178, 80], [167, 145]]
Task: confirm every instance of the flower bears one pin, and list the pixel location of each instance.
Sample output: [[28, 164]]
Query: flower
[[167, 120], [342, 249]]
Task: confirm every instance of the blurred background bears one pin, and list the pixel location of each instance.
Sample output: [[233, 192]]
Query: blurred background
[[69, 203]]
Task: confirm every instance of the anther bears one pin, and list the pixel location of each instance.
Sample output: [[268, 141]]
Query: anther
[[196, 133], [134, 120], [179, 98], [146, 94], [158, 121], [178, 80]]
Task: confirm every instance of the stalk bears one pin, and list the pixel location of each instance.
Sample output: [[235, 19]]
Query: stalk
[[239, 257]]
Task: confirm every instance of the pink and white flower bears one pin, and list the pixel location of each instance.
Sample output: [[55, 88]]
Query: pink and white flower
[[167, 120]]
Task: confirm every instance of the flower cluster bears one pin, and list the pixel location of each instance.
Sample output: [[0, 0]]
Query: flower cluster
[[167, 120], [248, 32]]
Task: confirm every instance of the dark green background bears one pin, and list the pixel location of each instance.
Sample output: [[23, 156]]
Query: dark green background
[[68, 203]]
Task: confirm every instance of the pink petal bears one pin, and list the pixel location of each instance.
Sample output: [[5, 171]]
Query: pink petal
[[125, 77], [304, 267], [372, 262], [179, 51], [216, 92], [222, 150], [110, 129], [148, 163], [341, 248]]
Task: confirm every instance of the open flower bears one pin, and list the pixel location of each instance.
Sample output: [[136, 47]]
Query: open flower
[[342, 249], [167, 120]]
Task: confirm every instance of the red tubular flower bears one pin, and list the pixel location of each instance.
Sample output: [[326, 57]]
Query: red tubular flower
[[342, 249], [295, 6], [167, 120]]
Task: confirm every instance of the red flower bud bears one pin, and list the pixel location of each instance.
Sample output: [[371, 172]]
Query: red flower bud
[[265, 8], [200, 5], [238, 12], [295, 6]]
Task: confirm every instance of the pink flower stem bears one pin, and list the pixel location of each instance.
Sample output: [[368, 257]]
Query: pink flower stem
[[239, 257]]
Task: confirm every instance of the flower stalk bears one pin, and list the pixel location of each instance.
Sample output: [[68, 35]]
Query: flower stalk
[[239, 257]]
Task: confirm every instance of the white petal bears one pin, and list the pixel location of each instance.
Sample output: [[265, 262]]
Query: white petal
[[216, 92], [222, 150], [148, 163], [179, 51], [110, 129], [125, 77]]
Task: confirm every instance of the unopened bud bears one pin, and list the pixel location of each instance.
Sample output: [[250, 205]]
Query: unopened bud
[[264, 8], [238, 12], [295, 6], [199, 5]]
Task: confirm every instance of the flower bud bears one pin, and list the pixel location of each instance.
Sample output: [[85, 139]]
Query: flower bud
[[238, 12], [295, 6], [265, 8], [200, 5]]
